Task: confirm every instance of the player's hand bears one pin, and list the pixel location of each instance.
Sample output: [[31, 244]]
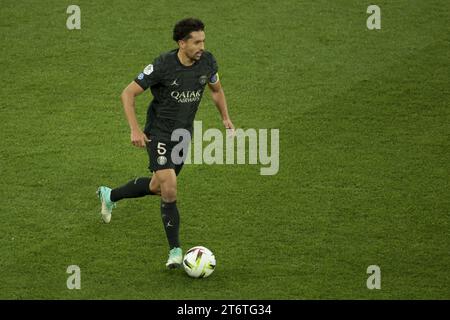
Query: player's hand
[[138, 138], [229, 127]]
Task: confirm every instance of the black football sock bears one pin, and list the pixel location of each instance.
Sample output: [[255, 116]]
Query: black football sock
[[171, 221], [136, 188]]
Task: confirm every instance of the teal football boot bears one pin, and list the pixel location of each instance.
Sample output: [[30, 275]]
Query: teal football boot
[[103, 194], [175, 258]]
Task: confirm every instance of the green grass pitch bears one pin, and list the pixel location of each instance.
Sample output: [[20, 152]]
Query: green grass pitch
[[364, 151]]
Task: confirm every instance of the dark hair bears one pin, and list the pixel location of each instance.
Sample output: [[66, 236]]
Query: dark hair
[[184, 27]]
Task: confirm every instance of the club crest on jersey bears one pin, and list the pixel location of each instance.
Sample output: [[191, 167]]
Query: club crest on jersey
[[148, 69], [161, 160], [202, 80]]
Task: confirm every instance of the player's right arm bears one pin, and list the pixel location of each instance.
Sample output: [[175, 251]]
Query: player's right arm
[[150, 76], [138, 138]]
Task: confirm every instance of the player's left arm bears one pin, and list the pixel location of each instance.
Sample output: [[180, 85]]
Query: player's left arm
[[219, 100]]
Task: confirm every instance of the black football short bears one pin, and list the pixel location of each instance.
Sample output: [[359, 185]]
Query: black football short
[[160, 155]]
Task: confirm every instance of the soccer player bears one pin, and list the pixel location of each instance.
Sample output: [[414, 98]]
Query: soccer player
[[177, 80]]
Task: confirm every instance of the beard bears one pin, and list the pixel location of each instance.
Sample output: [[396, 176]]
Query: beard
[[197, 55]]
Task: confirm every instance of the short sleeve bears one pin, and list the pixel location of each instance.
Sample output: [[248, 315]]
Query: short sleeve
[[151, 75], [214, 76]]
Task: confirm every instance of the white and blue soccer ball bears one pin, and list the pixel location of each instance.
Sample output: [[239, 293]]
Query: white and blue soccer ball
[[199, 262]]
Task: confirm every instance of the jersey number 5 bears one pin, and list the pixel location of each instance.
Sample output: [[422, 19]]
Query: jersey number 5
[[160, 148]]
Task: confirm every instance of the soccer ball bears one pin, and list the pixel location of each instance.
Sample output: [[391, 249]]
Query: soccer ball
[[199, 262]]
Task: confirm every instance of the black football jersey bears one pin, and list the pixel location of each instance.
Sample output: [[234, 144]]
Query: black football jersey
[[177, 91]]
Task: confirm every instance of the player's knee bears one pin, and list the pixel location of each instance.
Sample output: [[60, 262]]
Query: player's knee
[[155, 190], [169, 193], [154, 187], [168, 185]]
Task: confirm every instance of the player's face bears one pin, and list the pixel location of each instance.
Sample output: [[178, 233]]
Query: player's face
[[194, 46]]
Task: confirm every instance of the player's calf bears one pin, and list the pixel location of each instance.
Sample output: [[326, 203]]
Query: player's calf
[[170, 215], [136, 188]]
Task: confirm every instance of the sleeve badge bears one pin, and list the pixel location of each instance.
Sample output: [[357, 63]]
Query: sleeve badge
[[148, 69]]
